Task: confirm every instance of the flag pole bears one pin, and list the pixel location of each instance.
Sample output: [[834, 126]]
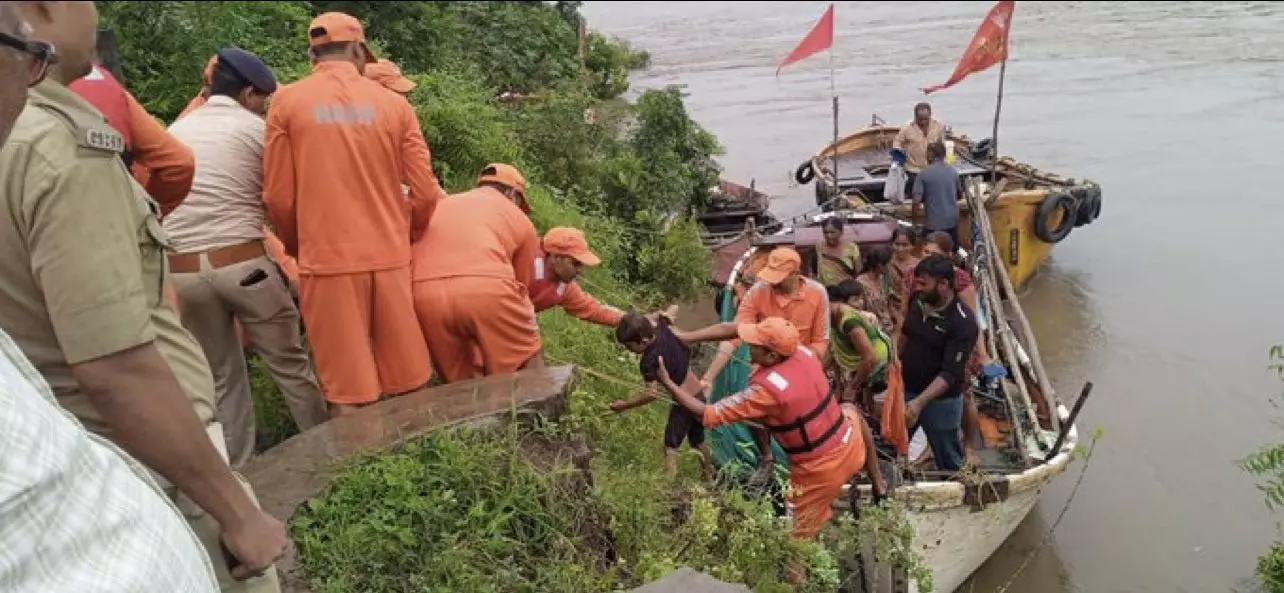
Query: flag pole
[[994, 137], [833, 92]]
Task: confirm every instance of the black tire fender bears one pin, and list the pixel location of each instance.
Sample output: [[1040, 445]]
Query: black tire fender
[[1054, 202], [804, 173]]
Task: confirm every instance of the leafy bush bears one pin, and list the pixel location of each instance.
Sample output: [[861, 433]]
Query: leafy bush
[[1268, 463]]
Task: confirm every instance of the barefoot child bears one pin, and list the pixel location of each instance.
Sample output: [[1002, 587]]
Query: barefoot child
[[653, 340]]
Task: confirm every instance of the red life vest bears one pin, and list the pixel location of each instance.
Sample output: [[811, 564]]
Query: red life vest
[[106, 94], [810, 422], [545, 293]]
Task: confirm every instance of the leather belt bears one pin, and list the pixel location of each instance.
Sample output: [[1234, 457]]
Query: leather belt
[[188, 263]]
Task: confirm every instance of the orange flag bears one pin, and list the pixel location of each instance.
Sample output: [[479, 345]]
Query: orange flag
[[989, 45], [892, 423], [820, 38]]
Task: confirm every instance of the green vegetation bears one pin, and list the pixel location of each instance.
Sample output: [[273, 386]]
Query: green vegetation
[[477, 511], [1268, 464]]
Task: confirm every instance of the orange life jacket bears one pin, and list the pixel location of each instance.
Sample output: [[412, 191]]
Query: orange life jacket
[[809, 418], [545, 292], [106, 94]]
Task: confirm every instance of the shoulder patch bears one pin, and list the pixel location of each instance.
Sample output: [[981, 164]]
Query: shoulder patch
[[777, 381], [102, 139]]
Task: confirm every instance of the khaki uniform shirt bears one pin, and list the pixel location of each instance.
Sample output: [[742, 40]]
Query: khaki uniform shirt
[[913, 141], [82, 262]]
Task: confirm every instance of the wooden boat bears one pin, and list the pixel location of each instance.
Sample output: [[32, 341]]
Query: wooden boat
[[1034, 211], [732, 210], [958, 520]]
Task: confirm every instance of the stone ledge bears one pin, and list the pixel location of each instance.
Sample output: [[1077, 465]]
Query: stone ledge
[[304, 466], [688, 580]]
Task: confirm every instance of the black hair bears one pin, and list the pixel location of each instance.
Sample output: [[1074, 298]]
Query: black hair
[[333, 48], [225, 81], [920, 106], [942, 240], [936, 151], [937, 267], [845, 290], [876, 256], [908, 232], [832, 224], [634, 327]]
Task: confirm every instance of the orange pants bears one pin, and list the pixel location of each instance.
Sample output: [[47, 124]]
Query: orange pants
[[363, 335], [462, 315], [814, 484]]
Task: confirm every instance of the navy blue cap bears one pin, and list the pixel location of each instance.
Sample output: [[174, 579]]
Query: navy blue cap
[[248, 67]]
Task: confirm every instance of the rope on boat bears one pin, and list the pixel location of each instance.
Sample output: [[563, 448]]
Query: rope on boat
[[1047, 536]]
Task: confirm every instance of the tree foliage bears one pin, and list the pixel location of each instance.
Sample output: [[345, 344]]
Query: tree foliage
[[1268, 464]]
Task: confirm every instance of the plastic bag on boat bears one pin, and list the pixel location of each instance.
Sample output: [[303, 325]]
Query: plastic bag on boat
[[894, 187], [892, 422]]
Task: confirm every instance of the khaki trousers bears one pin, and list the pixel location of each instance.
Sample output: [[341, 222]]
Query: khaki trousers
[[207, 529], [211, 301]]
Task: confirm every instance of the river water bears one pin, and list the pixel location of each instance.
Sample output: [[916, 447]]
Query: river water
[[1168, 302]]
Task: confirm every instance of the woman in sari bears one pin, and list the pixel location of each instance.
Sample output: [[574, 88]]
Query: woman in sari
[[839, 259], [858, 350], [905, 246], [876, 278]]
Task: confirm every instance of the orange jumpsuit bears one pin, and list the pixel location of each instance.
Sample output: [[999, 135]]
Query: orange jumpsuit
[[338, 148], [162, 164], [471, 271], [813, 483], [807, 309]]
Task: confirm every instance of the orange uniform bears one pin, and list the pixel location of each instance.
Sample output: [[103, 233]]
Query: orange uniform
[[792, 398], [807, 308], [471, 271], [547, 292], [162, 164], [338, 148]]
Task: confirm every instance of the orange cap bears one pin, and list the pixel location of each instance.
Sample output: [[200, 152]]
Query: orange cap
[[208, 76], [774, 333], [781, 262], [389, 75], [507, 175], [337, 27], [564, 240]]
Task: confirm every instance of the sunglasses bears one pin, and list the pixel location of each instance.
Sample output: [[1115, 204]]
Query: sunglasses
[[43, 55]]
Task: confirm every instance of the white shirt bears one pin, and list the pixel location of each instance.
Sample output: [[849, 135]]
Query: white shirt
[[76, 513], [225, 206]]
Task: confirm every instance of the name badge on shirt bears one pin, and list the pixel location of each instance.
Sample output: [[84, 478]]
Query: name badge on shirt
[[104, 140]]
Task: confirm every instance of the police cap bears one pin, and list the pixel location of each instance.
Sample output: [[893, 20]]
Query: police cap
[[248, 67]]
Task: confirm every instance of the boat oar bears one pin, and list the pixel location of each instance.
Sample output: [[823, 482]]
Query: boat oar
[[1069, 423]]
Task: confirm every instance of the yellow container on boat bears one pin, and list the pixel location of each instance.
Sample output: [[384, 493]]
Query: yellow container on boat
[[950, 157]]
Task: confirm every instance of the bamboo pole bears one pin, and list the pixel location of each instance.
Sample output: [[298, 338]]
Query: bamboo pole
[[1030, 343]]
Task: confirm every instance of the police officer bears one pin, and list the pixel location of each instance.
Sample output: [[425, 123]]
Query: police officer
[[82, 268], [221, 268]]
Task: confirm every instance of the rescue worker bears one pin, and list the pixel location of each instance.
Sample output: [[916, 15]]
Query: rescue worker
[[471, 273], [781, 291], [563, 256], [389, 75], [86, 307], [339, 146], [222, 270], [826, 442], [160, 163]]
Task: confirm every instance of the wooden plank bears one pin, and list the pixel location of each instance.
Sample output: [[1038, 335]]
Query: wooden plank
[[687, 580], [304, 466]]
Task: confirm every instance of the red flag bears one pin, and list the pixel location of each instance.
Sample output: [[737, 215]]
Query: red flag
[[820, 38], [989, 45]]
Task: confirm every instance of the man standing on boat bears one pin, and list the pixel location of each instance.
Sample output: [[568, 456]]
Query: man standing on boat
[[913, 140], [937, 192], [936, 341]]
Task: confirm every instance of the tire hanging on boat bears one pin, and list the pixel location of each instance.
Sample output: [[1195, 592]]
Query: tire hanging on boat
[[804, 173], [1054, 202], [1089, 204]]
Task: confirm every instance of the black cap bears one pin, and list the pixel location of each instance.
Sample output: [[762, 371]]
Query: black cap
[[248, 67]]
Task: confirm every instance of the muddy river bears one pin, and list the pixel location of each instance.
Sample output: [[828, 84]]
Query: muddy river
[[1168, 303]]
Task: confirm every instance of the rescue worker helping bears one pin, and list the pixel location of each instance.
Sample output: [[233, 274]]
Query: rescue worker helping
[[339, 146], [564, 255], [471, 273], [826, 442]]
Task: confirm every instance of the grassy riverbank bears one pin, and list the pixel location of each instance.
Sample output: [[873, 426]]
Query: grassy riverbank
[[463, 511]]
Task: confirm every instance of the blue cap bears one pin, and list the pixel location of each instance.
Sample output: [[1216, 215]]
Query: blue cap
[[248, 67]]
